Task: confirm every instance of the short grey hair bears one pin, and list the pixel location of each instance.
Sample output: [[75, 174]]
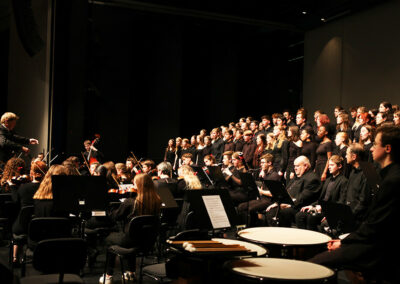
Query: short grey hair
[[303, 160], [165, 167]]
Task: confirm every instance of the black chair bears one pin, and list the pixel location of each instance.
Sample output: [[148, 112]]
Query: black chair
[[143, 232], [45, 228], [60, 259], [5, 222], [24, 218]]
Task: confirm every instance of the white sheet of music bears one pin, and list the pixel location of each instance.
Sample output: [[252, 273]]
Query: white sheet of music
[[216, 211]]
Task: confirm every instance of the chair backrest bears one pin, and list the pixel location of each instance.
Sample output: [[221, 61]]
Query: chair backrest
[[143, 231], [5, 198], [49, 228], [62, 255], [25, 216]]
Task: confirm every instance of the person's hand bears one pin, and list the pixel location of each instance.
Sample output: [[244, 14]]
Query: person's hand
[[306, 208], [25, 149], [334, 244], [318, 208], [93, 148], [33, 141], [271, 206], [280, 173], [292, 175], [284, 206], [323, 177], [228, 172]]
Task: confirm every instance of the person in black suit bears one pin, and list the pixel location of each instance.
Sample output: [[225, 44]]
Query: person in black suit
[[304, 190], [333, 190], [372, 247], [9, 141]]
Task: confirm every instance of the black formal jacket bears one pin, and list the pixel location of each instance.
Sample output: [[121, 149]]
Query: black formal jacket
[[376, 233], [9, 142], [217, 148], [357, 193], [305, 190], [339, 188]]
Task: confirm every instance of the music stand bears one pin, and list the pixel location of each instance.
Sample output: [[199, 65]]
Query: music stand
[[278, 192], [75, 194], [202, 175], [249, 184], [78, 195], [340, 217], [218, 177], [279, 195], [167, 199], [200, 201]]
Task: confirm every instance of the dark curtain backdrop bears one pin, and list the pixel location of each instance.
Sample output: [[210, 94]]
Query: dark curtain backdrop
[[139, 79]]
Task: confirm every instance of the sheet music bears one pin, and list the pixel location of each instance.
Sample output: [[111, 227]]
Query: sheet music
[[126, 186], [216, 211]]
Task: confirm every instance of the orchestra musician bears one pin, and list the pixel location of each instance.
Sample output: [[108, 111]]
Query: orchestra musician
[[43, 197], [9, 141], [266, 172], [147, 202], [24, 197], [13, 171], [237, 192], [94, 152], [333, 190], [304, 190]]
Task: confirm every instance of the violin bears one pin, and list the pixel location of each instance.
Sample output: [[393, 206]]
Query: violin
[[21, 179]]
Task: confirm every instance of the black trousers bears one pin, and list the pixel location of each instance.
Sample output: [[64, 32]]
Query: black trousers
[[309, 221], [120, 239], [285, 216]]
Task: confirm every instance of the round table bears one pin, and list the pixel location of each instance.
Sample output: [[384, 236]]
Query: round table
[[287, 242], [271, 270]]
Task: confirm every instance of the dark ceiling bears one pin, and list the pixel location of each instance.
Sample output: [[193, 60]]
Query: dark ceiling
[[300, 15]]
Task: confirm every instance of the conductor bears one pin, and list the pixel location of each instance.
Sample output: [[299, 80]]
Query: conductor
[[9, 141]]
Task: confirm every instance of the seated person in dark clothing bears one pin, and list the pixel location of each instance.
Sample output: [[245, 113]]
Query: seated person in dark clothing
[[164, 171], [43, 198], [267, 172], [304, 190], [147, 202], [237, 193], [372, 247], [14, 169], [25, 197], [358, 192], [333, 190]]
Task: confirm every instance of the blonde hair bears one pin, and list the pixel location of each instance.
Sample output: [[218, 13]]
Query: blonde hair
[[8, 116], [192, 181], [45, 190], [281, 137], [345, 137]]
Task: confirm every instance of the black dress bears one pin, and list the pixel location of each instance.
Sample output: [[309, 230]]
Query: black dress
[[309, 150], [24, 198], [322, 157], [293, 152]]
